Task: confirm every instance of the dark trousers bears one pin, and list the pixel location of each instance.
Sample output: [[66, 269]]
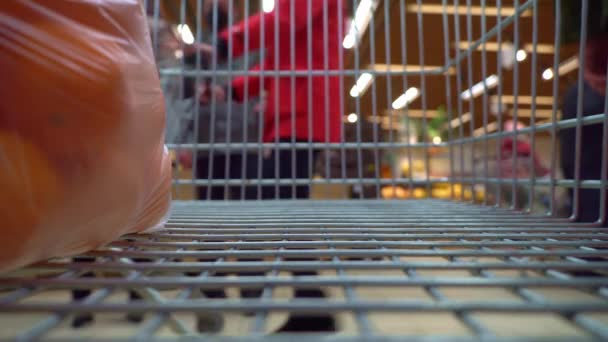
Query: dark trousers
[[285, 160], [219, 171], [280, 165], [591, 151]]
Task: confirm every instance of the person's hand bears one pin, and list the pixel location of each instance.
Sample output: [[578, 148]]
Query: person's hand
[[185, 159], [205, 49], [207, 92], [259, 107]]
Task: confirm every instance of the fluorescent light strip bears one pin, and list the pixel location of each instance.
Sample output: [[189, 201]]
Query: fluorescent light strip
[[411, 113], [359, 24], [352, 117], [185, 34], [493, 47], [464, 118], [522, 99], [362, 84], [406, 98], [478, 89], [409, 68], [564, 67], [521, 55], [462, 10]]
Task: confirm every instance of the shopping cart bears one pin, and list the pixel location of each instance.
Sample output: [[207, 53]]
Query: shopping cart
[[434, 252]]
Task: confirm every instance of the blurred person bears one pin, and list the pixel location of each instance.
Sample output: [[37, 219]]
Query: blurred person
[[230, 121], [220, 163], [520, 147], [593, 102], [324, 114], [285, 120]]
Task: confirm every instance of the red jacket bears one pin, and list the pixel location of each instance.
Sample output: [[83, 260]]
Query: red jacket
[[325, 101]]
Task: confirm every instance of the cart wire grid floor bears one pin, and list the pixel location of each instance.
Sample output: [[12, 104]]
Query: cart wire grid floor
[[383, 270]]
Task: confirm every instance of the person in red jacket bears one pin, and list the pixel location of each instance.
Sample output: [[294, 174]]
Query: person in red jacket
[[298, 36]]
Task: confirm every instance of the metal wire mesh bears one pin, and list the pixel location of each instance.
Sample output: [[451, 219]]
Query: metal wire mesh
[[406, 269], [367, 100]]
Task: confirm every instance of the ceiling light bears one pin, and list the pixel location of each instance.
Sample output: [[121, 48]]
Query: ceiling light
[[564, 67], [524, 99], [185, 34], [359, 24], [478, 89], [462, 10], [268, 6], [349, 41], [362, 84], [352, 117], [406, 98], [521, 55]]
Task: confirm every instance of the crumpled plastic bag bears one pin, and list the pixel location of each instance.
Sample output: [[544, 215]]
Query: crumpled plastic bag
[[82, 119]]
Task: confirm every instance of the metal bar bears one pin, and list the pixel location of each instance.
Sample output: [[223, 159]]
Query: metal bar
[[565, 183], [292, 81], [375, 137], [471, 100], [315, 306], [404, 80], [603, 214], [168, 72], [262, 121], [459, 98], [579, 111], [358, 136], [152, 325], [341, 5], [393, 338], [197, 82], [531, 189], [309, 88], [246, 157], [212, 121], [395, 264], [368, 244], [484, 73], [277, 99], [514, 156], [262, 316], [555, 107], [423, 90], [390, 159], [499, 91], [448, 94], [326, 98], [364, 253], [562, 124]]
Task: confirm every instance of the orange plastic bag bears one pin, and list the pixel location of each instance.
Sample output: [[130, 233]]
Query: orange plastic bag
[[82, 119]]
